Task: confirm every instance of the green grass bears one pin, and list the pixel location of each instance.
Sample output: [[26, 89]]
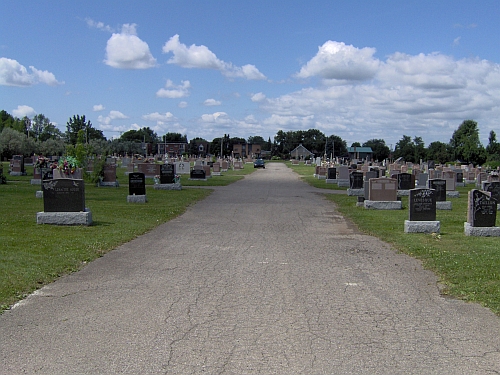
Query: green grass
[[468, 267], [33, 255]]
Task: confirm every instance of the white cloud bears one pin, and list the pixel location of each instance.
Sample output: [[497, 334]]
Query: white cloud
[[418, 95], [126, 51], [456, 41], [98, 108], [182, 104], [159, 117], [113, 115], [259, 97], [211, 102], [98, 25], [201, 57], [173, 91], [23, 110], [14, 74], [217, 117], [338, 61]]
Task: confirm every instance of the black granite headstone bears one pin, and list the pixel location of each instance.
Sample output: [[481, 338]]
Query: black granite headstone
[[332, 173], [136, 183], [460, 177], [431, 164], [482, 209], [405, 181], [63, 195], [356, 180], [439, 185], [494, 189], [197, 174], [167, 174], [422, 205]]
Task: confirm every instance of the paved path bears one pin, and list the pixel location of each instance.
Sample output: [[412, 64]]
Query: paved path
[[263, 277]]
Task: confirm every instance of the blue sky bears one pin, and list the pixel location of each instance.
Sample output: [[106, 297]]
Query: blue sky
[[356, 69]]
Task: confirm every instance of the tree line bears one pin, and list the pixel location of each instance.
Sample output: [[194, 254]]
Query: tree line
[[39, 136]]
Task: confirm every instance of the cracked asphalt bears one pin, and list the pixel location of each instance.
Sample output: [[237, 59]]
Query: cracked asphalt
[[262, 277]]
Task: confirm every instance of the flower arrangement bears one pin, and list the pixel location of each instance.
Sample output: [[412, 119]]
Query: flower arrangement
[[68, 164], [156, 179], [42, 162]]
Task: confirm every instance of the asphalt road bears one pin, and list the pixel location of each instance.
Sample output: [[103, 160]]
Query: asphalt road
[[262, 277]]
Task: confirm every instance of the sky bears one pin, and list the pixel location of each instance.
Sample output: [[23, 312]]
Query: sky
[[358, 69]]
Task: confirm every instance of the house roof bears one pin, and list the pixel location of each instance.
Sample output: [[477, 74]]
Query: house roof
[[300, 148], [360, 149]]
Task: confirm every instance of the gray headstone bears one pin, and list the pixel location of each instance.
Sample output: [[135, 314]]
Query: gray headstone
[[482, 209]]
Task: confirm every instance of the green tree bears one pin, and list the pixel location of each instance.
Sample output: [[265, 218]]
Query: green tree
[[405, 148], [335, 146], [493, 148], [12, 142], [174, 137], [438, 151], [356, 144], [380, 150], [77, 123], [465, 144]]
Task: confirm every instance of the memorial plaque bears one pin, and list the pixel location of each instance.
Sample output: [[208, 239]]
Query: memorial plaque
[[197, 174], [182, 167], [356, 180], [482, 209], [167, 174], [405, 181], [63, 195], [439, 185], [332, 173], [422, 205], [136, 183]]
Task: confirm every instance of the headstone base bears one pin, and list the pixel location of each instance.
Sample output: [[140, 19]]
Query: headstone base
[[356, 192], [383, 205], [403, 193], [320, 177], [469, 230], [35, 181], [136, 199], [216, 174], [468, 182], [108, 184], [343, 183], [331, 181], [460, 184], [443, 205], [453, 194], [422, 226], [197, 179], [65, 218], [17, 173], [39, 194], [176, 186]]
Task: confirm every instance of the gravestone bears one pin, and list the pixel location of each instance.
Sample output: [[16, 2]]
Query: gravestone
[[216, 169], [439, 185], [149, 169], [197, 174], [136, 188], [382, 194], [332, 173], [494, 189], [64, 203], [109, 178], [481, 215], [356, 180], [459, 178], [451, 180], [422, 179], [182, 167], [224, 166], [136, 183], [406, 181], [422, 212], [167, 174], [343, 177], [17, 166], [3, 180]]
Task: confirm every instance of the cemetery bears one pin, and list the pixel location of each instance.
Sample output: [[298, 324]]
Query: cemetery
[[384, 211]]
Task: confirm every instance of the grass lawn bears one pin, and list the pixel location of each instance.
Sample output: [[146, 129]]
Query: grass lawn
[[33, 255], [468, 267]]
